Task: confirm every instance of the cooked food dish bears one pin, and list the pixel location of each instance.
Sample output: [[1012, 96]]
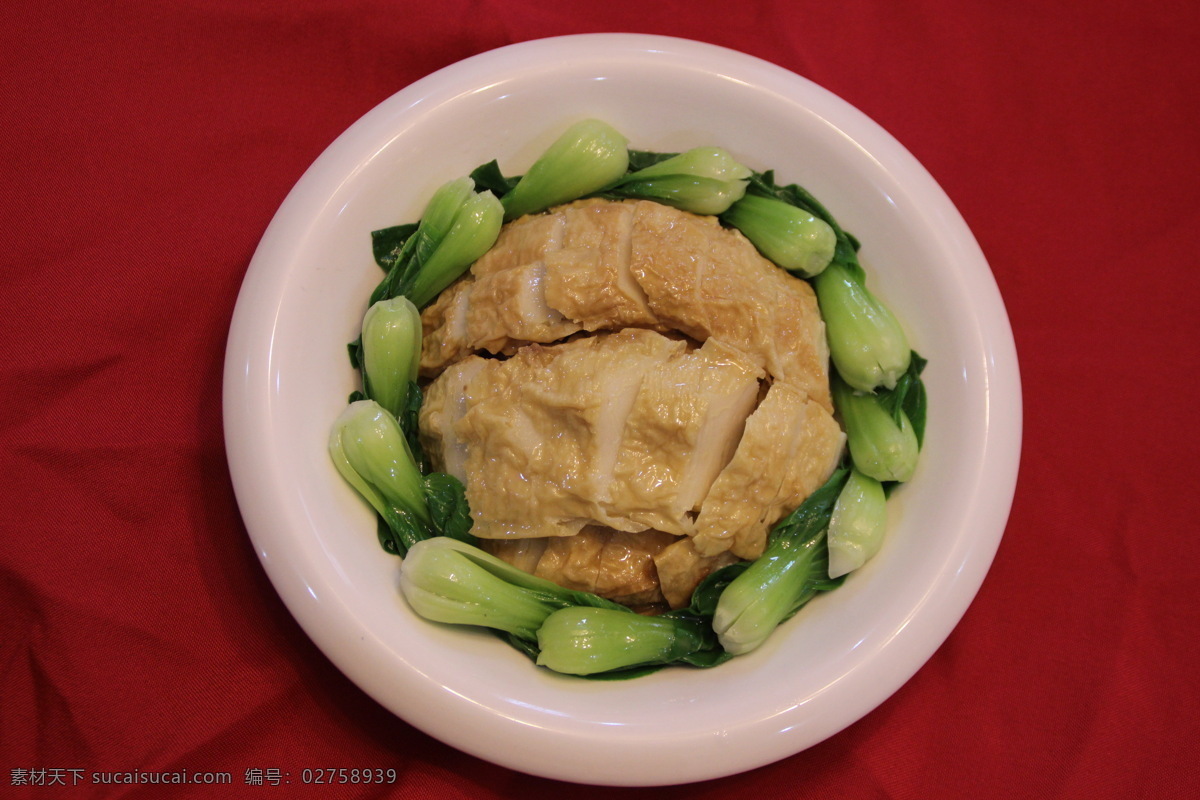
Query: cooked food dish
[[631, 394], [626, 404]]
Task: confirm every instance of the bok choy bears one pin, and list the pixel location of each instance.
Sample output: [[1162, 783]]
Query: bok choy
[[789, 573], [371, 453], [564, 630], [391, 350], [857, 524], [795, 239], [883, 443], [589, 156], [582, 640], [866, 342], [457, 227], [449, 581], [703, 180]]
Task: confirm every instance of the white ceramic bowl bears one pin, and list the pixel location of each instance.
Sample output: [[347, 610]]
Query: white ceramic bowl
[[287, 377]]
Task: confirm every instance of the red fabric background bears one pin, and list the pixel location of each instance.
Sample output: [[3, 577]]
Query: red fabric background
[[146, 145]]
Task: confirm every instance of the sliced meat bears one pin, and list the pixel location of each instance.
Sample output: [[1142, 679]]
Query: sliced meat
[[522, 467], [613, 564], [444, 334], [573, 561], [495, 312], [588, 280], [509, 306], [443, 405], [600, 265], [681, 431], [597, 383], [710, 282], [543, 430], [627, 571], [524, 554], [790, 446], [522, 242], [627, 430]]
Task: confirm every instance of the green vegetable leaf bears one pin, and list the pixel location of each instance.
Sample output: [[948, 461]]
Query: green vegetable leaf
[[387, 540], [909, 397], [529, 648], [404, 267], [640, 159], [706, 658], [448, 507], [387, 243], [845, 251], [409, 420], [703, 180], [811, 517], [708, 592], [405, 527], [488, 177]]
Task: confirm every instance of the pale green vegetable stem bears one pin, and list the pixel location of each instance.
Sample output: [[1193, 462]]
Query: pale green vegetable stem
[[866, 342], [474, 230], [444, 584], [766, 594], [703, 180], [585, 641], [858, 523], [791, 570], [370, 451], [391, 346], [881, 446], [440, 213], [791, 237], [591, 155]]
